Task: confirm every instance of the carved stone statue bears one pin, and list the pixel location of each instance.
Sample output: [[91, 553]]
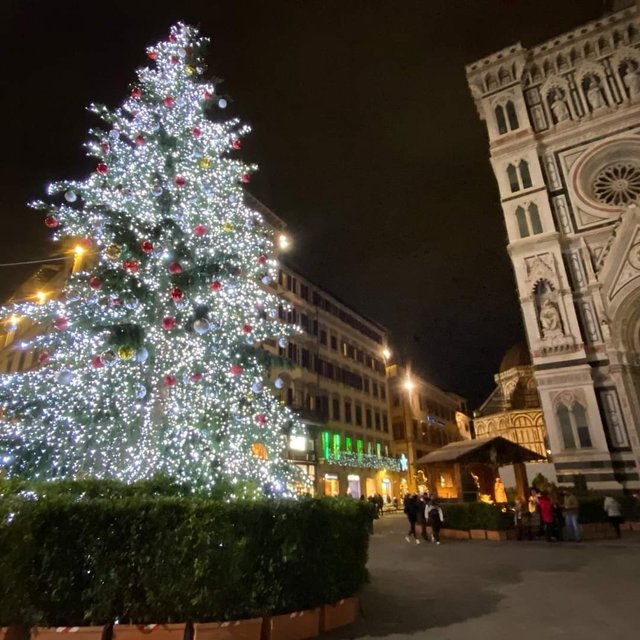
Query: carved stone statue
[[594, 95], [632, 82], [550, 320], [559, 108]]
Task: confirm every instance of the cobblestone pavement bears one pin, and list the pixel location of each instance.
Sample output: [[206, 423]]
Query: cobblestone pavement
[[481, 589]]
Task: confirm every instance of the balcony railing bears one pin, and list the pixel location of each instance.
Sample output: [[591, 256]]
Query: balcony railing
[[363, 460]]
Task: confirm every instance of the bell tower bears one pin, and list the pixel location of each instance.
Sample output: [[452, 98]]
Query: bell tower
[[563, 121]]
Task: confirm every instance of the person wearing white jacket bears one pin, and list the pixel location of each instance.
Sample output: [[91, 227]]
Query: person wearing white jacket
[[614, 513], [434, 517]]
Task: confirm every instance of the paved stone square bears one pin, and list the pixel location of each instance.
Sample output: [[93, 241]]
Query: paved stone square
[[482, 589]]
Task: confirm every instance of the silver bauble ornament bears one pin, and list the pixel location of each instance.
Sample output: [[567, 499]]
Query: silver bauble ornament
[[131, 302], [250, 340], [273, 313], [72, 295], [278, 383], [222, 103], [201, 326], [108, 357], [64, 377], [266, 279], [257, 386], [114, 134], [282, 343], [70, 196], [141, 355], [140, 390], [156, 190]]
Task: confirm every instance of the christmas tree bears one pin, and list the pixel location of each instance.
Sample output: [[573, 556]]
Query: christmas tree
[[150, 360]]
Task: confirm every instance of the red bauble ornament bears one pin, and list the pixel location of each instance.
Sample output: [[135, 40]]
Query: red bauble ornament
[[152, 55], [195, 377], [168, 323], [246, 178], [199, 230], [105, 148], [216, 285], [196, 132], [61, 323], [235, 370], [131, 265], [246, 328], [86, 242], [96, 362], [169, 380], [95, 283], [136, 93], [262, 260], [175, 267], [140, 140], [172, 38], [175, 59], [102, 169], [236, 144], [176, 293], [168, 101], [51, 222], [261, 419], [208, 95], [146, 246], [180, 181], [44, 357], [188, 50]]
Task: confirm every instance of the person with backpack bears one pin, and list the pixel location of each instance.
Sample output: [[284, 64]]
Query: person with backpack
[[435, 518]]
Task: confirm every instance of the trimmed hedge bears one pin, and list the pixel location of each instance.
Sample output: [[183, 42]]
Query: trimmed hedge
[[476, 515], [72, 560], [592, 510]]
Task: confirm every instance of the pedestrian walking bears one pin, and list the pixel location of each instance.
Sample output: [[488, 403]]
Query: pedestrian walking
[[422, 516], [571, 513], [411, 510], [435, 518], [614, 513], [546, 515]]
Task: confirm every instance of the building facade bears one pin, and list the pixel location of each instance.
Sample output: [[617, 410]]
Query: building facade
[[337, 381], [563, 120], [513, 409], [423, 419]]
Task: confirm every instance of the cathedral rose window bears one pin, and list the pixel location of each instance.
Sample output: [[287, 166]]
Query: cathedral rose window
[[618, 184]]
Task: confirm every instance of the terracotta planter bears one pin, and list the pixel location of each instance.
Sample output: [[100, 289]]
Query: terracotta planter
[[147, 632], [340, 614], [299, 625], [448, 533], [499, 536], [233, 630], [14, 633], [66, 633], [477, 534]]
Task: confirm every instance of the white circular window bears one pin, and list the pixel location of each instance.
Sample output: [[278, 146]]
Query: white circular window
[[618, 184], [606, 177]]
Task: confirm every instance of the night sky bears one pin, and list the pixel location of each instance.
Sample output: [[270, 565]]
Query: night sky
[[367, 138]]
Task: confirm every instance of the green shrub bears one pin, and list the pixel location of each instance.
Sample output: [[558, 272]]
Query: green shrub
[[476, 515], [71, 559], [592, 508]]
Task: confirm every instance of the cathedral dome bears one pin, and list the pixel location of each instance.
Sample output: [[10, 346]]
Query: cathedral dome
[[517, 356]]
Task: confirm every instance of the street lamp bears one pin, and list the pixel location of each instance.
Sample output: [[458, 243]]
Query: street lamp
[[386, 354], [284, 242], [408, 384]]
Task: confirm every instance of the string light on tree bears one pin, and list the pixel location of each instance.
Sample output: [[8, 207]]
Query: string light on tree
[[149, 360]]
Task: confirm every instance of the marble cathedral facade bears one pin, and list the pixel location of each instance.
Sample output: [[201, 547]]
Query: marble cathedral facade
[[563, 120]]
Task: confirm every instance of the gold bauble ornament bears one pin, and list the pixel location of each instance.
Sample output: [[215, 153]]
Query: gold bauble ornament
[[227, 226], [113, 252], [126, 353], [190, 70], [259, 451], [205, 163]]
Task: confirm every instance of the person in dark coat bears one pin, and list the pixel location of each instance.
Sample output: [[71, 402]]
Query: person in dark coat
[[411, 510]]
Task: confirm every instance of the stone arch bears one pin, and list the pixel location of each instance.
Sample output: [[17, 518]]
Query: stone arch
[[626, 65], [504, 75], [490, 82]]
